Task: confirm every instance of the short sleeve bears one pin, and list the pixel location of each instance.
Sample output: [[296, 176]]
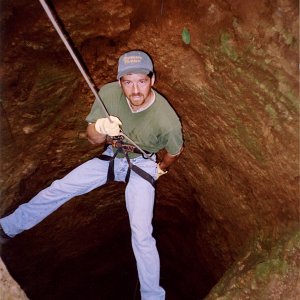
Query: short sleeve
[[95, 113], [174, 140]]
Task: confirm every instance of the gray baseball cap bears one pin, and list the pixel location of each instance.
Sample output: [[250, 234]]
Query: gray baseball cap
[[134, 62]]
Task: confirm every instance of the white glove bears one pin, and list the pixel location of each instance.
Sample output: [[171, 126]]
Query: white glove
[[105, 126], [160, 172]]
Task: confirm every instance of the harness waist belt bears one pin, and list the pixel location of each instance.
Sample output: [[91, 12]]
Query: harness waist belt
[[126, 147]]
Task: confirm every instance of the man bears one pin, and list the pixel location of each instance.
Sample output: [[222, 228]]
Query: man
[[145, 118]]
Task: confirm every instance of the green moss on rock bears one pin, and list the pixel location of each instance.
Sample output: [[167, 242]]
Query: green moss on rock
[[227, 46]]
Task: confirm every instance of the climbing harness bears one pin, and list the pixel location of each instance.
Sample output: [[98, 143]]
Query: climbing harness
[[118, 142], [83, 72], [123, 148]]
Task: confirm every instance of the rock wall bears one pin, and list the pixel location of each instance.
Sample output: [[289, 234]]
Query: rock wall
[[229, 68], [267, 270], [9, 289]]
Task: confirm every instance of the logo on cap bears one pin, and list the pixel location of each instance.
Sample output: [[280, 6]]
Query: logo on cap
[[132, 59]]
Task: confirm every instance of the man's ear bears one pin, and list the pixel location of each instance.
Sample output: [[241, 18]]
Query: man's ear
[[152, 79], [119, 82]]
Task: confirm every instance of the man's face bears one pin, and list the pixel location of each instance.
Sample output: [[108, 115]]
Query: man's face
[[137, 88]]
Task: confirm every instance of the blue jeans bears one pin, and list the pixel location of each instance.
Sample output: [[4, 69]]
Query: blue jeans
[[139, 197]]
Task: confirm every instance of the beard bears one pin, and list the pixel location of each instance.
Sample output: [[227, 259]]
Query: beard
[[139, 101]]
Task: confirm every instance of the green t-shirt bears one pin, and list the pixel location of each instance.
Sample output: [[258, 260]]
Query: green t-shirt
[[155, 128]]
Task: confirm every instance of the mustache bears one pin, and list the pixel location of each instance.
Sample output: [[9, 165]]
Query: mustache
[[137, 94]]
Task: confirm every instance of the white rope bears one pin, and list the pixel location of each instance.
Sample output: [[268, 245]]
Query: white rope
[[83, 72]]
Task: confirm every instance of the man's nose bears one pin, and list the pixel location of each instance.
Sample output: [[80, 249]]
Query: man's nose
[[135, 88]]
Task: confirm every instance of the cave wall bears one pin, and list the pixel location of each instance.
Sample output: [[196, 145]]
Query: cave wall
[[9, 288], [235, 88]]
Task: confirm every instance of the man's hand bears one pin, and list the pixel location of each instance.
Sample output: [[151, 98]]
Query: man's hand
[[109, 126], [167, 160], [160, 172], [93, 136]]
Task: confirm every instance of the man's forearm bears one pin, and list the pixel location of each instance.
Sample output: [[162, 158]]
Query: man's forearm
[[93, 136], [168, 160]]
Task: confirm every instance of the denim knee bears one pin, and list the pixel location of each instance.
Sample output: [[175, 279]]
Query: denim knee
[[142, 238]]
